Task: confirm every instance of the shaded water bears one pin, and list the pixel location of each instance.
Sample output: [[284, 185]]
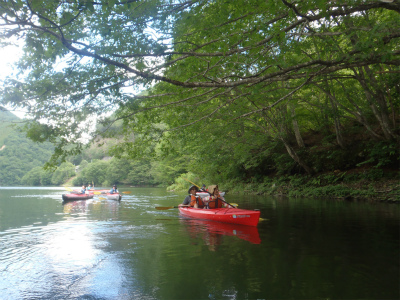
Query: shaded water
[[104, 249]]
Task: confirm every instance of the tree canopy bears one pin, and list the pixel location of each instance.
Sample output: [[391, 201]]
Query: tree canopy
[[246, 74]]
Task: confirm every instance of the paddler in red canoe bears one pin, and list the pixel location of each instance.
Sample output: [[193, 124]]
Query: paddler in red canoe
[[215, 200], [192, 199]]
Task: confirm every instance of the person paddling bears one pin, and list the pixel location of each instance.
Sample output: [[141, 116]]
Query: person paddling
[[83, 189], [114, 190], [192, 199], [203, 188], [215, 200]]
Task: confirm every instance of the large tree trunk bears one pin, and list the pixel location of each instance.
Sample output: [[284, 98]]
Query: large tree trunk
[[336, 119], [296, 128], [295, 157], [358, 114], [277, 125], [333, 102], [376, 101]]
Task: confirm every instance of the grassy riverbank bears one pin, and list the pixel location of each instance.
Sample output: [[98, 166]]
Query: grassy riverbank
[[353, 185]]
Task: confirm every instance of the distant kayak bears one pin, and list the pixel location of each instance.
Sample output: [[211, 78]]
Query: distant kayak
[[225, 215], [73, 196], [116, 197]]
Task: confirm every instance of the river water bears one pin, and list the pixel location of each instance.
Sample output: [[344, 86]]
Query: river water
[[104, 249]]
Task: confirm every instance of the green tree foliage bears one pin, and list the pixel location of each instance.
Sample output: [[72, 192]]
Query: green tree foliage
[[228, 82], [115, 171], [7, 120], [32, 178], [64, 172], [95, 172], [19, 155]]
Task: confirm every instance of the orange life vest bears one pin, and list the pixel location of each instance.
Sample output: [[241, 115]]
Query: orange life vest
[[215, 202], [198, 200]]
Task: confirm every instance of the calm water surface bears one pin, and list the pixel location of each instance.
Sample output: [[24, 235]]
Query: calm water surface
[[104, 249]]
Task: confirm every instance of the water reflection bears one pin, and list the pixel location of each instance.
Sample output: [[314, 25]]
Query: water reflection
[[212, 233], [103, 249], [108, 208], [62, 259], [74, 206]]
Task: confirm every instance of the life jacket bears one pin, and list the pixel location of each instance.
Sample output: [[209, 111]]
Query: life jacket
[[198, 200], [215, 202]]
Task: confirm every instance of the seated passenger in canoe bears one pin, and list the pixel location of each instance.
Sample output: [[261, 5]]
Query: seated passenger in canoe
[[203, 188], [114, 190], [192, 199], [215, 200], [83, 189]]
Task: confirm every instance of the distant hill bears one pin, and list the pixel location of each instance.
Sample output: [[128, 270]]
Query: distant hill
[[6, 120], [18, 154]]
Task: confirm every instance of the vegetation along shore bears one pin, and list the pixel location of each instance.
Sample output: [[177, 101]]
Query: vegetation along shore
[[296, 98]]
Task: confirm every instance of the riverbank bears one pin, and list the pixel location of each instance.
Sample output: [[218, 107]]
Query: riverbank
[[370, 185]]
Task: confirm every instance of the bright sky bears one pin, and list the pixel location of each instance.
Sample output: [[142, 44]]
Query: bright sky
[[9, 55]]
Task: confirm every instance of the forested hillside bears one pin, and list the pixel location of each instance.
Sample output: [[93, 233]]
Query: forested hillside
[[18, 154], [285, 97], [22, 162], [6, 120]]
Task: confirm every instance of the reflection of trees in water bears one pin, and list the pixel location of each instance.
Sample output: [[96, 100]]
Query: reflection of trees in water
[[212, 232]]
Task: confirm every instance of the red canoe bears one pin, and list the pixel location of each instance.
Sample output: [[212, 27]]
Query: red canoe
[[73, 197], [225, 215]]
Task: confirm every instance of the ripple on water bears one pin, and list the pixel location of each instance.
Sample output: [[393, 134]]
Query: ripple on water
[[39, 258]]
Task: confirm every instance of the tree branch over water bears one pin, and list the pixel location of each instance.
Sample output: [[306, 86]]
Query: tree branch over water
[[84, 58]]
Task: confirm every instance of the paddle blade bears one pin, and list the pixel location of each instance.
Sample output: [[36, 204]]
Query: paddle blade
[[102, 198], [127, 192], [234, 204], [97, 193], [69, 189], [165, 207]]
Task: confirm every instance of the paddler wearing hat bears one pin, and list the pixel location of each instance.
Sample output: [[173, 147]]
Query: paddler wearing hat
[[192, 199]]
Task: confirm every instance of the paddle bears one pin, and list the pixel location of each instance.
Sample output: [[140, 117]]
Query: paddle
[[165, 207], [99, 193], [191, 182], [73, 191], [234, 205], [169, 207]]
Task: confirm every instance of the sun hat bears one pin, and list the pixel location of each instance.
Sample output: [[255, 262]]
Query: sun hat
[[211, 188], [193, 187]]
